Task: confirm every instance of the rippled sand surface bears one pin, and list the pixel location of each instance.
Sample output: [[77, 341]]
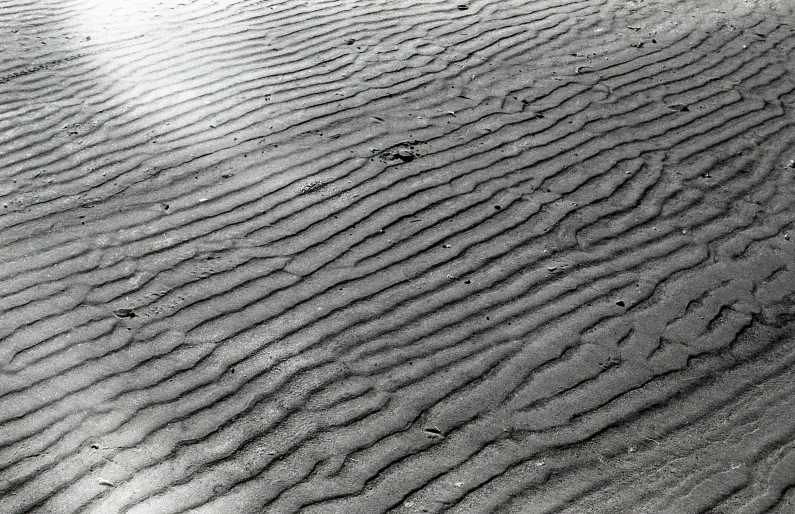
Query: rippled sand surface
[[413, 256]]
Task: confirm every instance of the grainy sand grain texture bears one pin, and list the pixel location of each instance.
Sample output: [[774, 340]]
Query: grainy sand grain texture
[[408, 256]]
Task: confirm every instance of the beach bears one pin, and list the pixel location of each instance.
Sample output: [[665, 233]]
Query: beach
[[418, 256]]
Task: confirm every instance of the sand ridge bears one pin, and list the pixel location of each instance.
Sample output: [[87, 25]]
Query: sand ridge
[[414, 256]]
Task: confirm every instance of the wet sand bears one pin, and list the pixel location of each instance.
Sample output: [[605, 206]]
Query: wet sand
[[408, 256]]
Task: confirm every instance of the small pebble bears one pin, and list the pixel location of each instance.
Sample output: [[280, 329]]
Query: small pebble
[[405, 155]]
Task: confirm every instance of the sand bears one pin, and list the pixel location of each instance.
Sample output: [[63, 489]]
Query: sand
[[409, 256]]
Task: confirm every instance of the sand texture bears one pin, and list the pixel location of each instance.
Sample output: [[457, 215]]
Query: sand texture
[[407, 256]]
